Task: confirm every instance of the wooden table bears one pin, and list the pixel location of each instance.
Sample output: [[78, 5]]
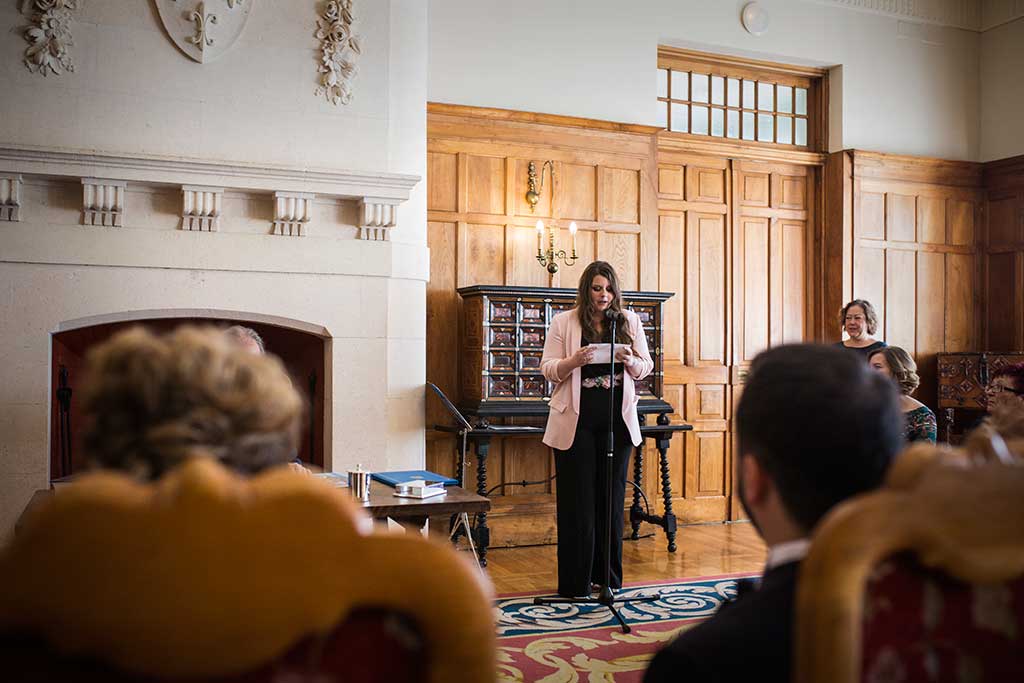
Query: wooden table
[[412, 513]]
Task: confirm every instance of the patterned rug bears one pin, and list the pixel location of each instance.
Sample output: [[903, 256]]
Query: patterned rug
[[569, 643]]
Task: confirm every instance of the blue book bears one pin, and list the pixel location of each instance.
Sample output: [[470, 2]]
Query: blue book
[[393, 478]]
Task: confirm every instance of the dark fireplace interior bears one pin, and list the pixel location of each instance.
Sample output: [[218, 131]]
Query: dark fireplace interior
[[302, 353]]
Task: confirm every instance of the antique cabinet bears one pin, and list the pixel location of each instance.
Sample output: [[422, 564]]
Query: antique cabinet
[[502, 340], [962, 380]]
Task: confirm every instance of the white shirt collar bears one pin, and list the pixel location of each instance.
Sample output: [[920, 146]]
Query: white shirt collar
[[783, 553]]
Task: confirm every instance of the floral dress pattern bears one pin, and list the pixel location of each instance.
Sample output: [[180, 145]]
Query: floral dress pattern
[[919, 425]]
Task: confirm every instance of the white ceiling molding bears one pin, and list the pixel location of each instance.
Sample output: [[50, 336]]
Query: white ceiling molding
[[964, 14]]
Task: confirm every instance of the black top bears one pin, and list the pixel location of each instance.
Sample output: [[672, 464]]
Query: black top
[[866, 351], [748, 639]]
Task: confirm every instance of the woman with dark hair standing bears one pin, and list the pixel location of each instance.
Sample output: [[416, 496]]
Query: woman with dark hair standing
[[896, 364], [578, 424], [859, 320]]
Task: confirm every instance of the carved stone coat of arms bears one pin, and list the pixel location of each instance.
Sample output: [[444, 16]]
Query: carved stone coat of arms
[[204, 29]]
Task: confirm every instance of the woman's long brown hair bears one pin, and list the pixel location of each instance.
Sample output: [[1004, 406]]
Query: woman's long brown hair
[[586, 310]]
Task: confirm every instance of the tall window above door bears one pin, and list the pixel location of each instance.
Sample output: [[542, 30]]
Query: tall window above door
[[747, 101]]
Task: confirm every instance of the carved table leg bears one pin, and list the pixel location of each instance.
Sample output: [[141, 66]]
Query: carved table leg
[[460, 474], [666, 489], [636, 513], [482, 535]]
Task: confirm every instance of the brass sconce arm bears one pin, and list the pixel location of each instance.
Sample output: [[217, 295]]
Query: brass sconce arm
[[534, 189]]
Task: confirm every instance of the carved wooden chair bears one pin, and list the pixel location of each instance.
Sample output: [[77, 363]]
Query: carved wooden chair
[[206, 576], [922, 580]]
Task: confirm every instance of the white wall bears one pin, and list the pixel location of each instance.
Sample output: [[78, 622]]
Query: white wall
[[133, 93], [1002, 91], [596, 58]]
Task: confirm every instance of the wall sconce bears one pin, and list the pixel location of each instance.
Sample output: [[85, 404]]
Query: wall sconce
[[546, 257], [534, 190]]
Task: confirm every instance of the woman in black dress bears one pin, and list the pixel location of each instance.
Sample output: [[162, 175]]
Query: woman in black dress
[[859, 320]]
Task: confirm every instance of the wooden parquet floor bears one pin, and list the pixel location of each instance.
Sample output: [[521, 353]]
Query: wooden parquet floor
[[703, 550]]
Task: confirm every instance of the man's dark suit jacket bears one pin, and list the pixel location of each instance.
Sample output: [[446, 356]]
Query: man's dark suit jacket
[[749, 639]]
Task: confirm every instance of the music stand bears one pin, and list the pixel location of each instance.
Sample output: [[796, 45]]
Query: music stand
[[605, 597], [466, 427]]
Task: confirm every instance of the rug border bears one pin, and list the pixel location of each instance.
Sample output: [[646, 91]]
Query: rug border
[[638, 584]]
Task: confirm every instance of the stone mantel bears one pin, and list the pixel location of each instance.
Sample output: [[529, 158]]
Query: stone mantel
[[371, 186]]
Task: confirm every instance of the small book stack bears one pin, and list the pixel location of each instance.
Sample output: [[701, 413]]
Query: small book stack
[[419, 488]]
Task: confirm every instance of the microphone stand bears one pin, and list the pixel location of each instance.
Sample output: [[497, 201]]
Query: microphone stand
[[605, 596]]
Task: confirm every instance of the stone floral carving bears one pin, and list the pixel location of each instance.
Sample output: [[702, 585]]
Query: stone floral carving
[[49, 37], [339, 49]]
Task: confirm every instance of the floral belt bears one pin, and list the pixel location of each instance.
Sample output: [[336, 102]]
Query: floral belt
[[601, 382]]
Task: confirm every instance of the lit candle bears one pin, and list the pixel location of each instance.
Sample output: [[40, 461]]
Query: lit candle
[[572, 231], [540, 236]]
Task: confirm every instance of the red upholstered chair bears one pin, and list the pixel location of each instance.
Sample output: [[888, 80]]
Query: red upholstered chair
[[922, 580], [206, 576]]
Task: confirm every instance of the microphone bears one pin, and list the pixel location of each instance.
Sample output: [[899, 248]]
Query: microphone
[[611, 314]]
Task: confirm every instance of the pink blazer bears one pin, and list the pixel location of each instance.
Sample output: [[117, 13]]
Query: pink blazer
[[563, 340]]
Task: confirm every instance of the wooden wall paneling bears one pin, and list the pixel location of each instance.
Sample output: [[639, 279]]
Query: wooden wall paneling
[[443, 304], [704, 184], [900, 299], [931, 306], [485, 254], [900, 218], [442, 181], [1004, 285], [869, 280], [671, 276], [621, 195], [752, 311], [793, 277], [577, 192], [706, 279], [869, 220], [931, 219], [916, 255], [960, 214], [486, 180], [622, 251], [521, 266], [670, 181], [836, 286], [960, 317]]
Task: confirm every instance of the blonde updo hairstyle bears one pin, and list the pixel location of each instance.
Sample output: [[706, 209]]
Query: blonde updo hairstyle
[[152, 402], [902, 367]]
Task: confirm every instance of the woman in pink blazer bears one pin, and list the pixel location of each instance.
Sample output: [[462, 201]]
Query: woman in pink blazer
[[578, 425]]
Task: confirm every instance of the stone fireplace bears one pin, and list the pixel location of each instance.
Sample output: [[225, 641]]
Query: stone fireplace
[[161, 190]]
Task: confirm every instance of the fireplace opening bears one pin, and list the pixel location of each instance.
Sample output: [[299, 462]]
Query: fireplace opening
[[303, 354]]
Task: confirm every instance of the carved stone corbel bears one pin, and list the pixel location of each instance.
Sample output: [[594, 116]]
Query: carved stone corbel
[[377, 217], [103, 202], [292, 212], [10, 198], [201, 208]]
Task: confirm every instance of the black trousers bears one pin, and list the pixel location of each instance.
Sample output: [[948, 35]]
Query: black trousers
[[582, 493]]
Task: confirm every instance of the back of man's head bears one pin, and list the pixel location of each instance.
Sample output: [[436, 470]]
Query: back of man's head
[[821, 424]]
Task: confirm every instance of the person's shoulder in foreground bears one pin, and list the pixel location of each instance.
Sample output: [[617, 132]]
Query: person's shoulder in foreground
[[815, 426], [743, 641]]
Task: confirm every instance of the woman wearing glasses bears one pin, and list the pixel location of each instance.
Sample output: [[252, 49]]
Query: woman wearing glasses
[[1006, 386]]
